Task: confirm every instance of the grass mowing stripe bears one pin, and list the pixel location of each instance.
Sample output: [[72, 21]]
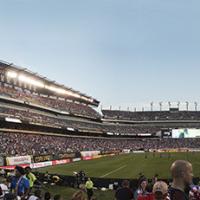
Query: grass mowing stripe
[[113, 171]]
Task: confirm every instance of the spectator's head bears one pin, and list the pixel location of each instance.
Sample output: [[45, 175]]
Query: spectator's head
[[56, 179], [27, 170], [47, 196], [19, 171], [78, 196], [160, 190], [125, 184], [57, 197], [143, 183], [181, 171]]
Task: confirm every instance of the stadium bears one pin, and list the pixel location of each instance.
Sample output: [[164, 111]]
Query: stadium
[[57, 131]]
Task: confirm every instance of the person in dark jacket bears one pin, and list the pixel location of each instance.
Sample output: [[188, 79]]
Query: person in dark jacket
[[182, 175], [124, 193]]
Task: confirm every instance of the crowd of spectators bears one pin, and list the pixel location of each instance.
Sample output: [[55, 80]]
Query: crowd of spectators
[[151, 115], [32, 144], [130, 129], [45, 118], [53, 120], [55, 103], [181, 187]]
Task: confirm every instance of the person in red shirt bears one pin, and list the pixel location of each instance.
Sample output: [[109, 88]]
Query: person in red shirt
[[146, 197]]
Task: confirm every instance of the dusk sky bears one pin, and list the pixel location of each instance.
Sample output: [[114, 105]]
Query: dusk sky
[[122, 52]]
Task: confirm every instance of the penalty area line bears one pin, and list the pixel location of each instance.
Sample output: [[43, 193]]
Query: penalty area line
[[113, 171]]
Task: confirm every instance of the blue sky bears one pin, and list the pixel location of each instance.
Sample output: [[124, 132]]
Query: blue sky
[[123, 52]]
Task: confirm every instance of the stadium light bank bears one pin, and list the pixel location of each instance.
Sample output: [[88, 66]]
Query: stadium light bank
[[40, 84]]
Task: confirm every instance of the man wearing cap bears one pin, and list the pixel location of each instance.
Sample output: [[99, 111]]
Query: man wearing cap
[[182, 175], [160, 191], [20, 184]]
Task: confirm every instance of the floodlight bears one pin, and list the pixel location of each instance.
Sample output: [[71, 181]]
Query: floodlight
[[11, 74]]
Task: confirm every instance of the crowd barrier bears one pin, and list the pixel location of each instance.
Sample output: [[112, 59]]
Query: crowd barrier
[[71, 181], [50, 160], [44, 161], [18, 160]]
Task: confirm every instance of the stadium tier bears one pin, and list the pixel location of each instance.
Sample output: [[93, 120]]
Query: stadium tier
[[19, 144], [30, 102], [117, 115], [31, 88], [44, 124]]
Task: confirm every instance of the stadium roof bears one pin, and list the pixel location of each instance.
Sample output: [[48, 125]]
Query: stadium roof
[[75, 95]]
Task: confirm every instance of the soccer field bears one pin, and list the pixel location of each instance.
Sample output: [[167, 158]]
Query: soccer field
[[128, 165]]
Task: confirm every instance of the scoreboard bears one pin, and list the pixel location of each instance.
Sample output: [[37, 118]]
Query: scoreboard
[[186, 133]]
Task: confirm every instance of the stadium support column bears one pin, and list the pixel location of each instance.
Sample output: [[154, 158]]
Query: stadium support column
[[169, 103], [151, 106], [196, 105], [187, 105], [178, 104], [160, 106]]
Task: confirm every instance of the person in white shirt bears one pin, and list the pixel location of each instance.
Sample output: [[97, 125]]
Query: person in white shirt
[[4, 188]]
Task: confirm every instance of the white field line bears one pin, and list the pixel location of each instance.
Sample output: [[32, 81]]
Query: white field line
[[113, 171]]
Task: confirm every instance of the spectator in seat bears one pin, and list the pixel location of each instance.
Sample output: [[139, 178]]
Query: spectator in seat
[[124, 193], [160, 191], [3, 188], [182, 175], [142, 189], [20, 184]]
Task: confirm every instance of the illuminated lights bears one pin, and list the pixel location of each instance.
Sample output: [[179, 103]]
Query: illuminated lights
[[32, 81], [55, 89], [11, 74]]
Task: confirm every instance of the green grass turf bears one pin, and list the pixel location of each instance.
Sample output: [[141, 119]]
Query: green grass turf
[[127, 166]]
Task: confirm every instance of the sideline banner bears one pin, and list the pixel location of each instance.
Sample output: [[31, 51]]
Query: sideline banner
[[13, 167], [89, 153], [18, 160], [61, 162], [76, 159], [66, 155], [42, 158], [41, 164]]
